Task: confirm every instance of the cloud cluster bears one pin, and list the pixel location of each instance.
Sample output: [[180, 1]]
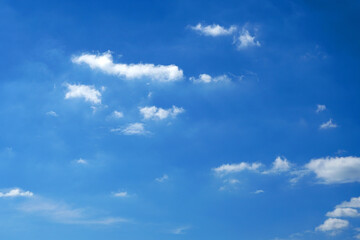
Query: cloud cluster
[[157, 113], [320, 108], [245, 40], [213, 30], [88, 93], [16, 192], [236, 167], [104, 62], [328, 124]]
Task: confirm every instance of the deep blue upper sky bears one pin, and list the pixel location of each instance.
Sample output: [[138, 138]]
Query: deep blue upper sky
[[158, 120]]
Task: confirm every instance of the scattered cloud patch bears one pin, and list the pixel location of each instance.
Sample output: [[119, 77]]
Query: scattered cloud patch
[[104, 62], [320, 108], [52, 114], [353, 203], [236, 167], [336, 170], [88, 93], [205, 78], [343, 212], [245, 40], [117, 114], [180, 230], [132, 129], [81, 161], [16, 192], [162, 179], [259, 191], [156, 113], [121, 194], [333, 225], [280, 165], [329, 124], [213, 30]]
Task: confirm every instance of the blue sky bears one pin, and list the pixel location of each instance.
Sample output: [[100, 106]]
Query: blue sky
[[158, 120]]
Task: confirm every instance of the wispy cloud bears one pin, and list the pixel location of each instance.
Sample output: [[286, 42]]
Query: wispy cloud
[[132, 129], [52, 114], [121, 194], [117, 114], [328, 124], [180, 230], [162, 179], [157, 113], [205, 78], [259, 191], [81, 161], [88, 93], [236, 167], [105, 63], [280, 165], [320, 108], [245, 40], [213, 30]]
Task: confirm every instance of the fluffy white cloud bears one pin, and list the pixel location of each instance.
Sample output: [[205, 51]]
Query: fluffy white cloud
[[333, 224], [16, 192], [52, 114], [328, 124], [336, 170], [353, 203], [89, 93], [236, 167], [245, 40], [213, 30], [121, 194], [132, 129], [162, 179], [279, 165], [320, 108], [205, 78], [156, 113], [105, 63], [343, 212]]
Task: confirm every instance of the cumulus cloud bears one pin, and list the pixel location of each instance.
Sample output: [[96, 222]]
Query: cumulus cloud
[[205, 78], [343, 212], [353, 203], [333, 224], [162, 179], [132, 129], [213, 30], [279, 165], [245, 40], [89, 93], [104, 62], [236, 167], [328, 124], [156, 113], [336, 170], [16, 192], [320, 108]]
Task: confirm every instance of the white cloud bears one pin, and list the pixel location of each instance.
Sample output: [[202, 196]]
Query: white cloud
[[117, 114], [162, 179], [336, 170], [213, 30], [245, 40], [333, 224], [353, 203], [180, 230], [16, 192], [156, 113], [236, 167], [343, 212], [259, 191], [328, 124], [89, 93], [52, 114], [320, 108], [81, 161], [205, 78], [279, 165], [105, 63], [121, 194], [132, 129]]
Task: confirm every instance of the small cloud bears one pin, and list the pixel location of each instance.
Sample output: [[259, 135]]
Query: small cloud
[[52, 114], [236, 167], [89, 93], [333, 225], [213, 30], [343, 212], [328, 124], [121, 194], [205, 78], [132, 129], [320, 108], [16, 192], [180, 230], [156, 113], [162, 179], [279, 165], [259, 191], [81, 161], [117, 114], [353, 203], [245, 40]]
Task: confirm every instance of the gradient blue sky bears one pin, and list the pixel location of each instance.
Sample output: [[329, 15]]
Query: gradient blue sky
[[160, 120]]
